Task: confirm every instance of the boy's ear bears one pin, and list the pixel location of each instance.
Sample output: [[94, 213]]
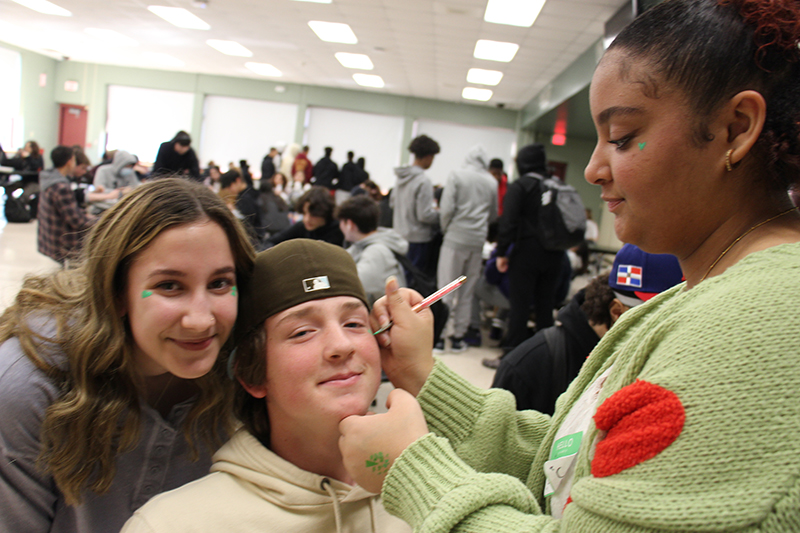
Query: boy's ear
[[256, 391], [616, 308]]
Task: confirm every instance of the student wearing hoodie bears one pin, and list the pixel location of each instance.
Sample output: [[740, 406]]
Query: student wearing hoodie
[[117, 175], [305, 360], [61, 220], [415, 216], [533, 272], [467, 206], [372, 248]]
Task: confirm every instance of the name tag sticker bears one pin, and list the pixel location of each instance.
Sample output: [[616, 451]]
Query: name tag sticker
[[562, 455]]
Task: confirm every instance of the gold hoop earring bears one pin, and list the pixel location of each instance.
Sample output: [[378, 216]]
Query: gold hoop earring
[[728, 160]]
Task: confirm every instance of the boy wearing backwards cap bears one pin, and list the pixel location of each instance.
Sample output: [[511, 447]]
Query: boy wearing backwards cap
[[305, 359]]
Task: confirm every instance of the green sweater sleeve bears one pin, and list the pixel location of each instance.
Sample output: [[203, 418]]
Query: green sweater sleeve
[[483, 426], [470, 471]]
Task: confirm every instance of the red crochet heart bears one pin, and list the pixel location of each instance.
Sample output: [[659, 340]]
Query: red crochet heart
[[642, 420]]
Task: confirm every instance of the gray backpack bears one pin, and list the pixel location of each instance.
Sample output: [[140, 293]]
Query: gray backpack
[[562, 216]]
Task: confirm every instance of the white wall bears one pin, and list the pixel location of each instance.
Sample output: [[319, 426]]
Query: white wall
[[377, 138], [243, 128], [139, 120], [455, 140]]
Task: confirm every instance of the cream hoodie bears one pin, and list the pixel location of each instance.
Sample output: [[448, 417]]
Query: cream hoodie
[[251, 489]]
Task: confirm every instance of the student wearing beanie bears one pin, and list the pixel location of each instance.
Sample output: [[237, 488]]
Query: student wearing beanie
[[305, 359]]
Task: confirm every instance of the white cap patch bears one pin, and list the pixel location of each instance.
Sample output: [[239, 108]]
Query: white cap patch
[[316, 284]]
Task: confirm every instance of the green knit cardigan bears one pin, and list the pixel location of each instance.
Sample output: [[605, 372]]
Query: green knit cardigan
[[727, 349]]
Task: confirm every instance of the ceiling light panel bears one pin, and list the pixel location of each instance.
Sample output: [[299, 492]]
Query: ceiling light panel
[[230, 48], [484, 77], [264, 69], [180, 17], [111, 37], [164, 60], [521, 13], [495, 50], [471, 93], [333, 32], [44, 7], [369, 80], [359, 61]]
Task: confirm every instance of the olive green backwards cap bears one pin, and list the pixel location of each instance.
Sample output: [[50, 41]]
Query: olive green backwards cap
[[294, 272]]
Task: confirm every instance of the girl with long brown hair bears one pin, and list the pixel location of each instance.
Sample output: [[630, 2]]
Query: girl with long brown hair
[[113, 385]]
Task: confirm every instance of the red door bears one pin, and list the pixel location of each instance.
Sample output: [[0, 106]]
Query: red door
[[72, 125]]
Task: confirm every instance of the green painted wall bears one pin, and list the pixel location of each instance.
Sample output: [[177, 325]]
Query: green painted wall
[[37, 103], [40, 105]]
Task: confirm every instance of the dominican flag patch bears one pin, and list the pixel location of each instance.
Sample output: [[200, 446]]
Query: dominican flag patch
[[629, 275]]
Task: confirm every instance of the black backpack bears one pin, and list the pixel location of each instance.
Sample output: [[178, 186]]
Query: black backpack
[[16, 210], [425, 285]]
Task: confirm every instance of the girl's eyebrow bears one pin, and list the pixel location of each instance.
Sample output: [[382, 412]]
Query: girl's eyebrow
[[180, 273], [606, 114], [166, 272]]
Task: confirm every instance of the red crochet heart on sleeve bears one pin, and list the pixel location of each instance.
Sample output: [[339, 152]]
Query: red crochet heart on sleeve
[[641, 421]]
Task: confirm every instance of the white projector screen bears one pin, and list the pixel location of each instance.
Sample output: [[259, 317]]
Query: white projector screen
[[241, 128], [376, 138], [139, 120], [455, 140]]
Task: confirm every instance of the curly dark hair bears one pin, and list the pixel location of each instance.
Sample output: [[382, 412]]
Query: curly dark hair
[[320, 203], [598, 297], [423, 146], [714, 49]]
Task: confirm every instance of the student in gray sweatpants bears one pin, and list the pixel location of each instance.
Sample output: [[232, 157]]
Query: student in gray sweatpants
[[467, 206]]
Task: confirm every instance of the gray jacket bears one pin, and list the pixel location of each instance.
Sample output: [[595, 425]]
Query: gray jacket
[[469, 202], [29, 500], [376, 262], [415, 217], [108, 177], [49, 177]]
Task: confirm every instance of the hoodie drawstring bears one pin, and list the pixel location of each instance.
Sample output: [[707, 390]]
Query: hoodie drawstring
[[337, 513], [372, 515]]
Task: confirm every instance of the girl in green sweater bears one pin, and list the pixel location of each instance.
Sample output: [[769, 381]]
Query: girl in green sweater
[[685, 417]]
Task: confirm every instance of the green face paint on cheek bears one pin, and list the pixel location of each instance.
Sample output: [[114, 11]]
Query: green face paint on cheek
[[234, 292], [145, 294], [641, 146], [378, 462]]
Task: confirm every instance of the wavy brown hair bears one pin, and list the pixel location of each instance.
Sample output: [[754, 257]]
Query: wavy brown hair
[[98, 415]]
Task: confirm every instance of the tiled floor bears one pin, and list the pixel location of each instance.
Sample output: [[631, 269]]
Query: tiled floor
[[18, 258]]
